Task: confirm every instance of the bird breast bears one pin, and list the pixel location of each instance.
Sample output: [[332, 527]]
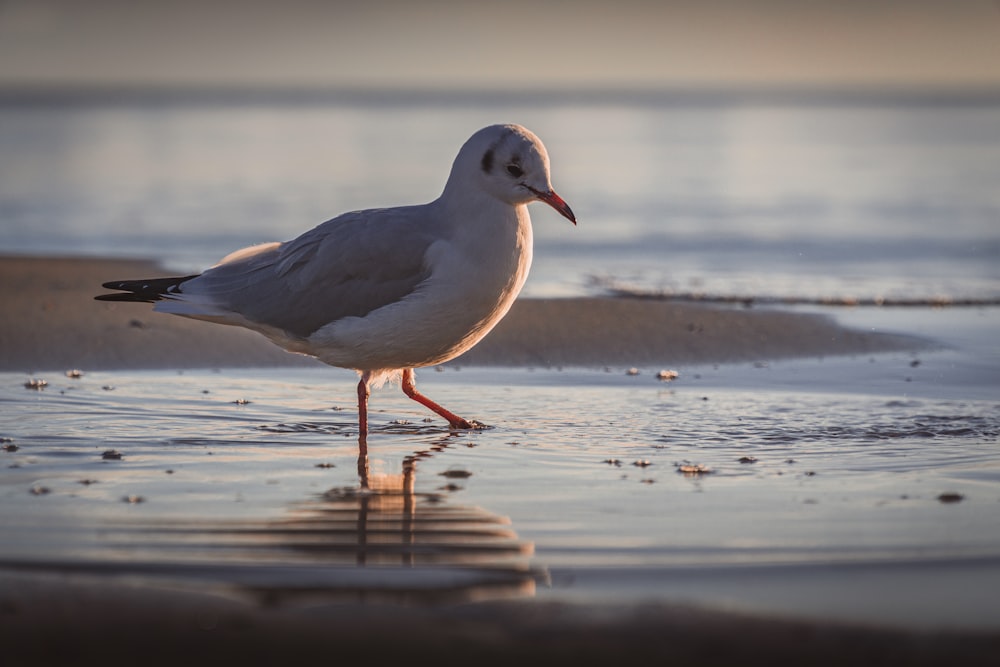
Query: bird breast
[[476, 274]]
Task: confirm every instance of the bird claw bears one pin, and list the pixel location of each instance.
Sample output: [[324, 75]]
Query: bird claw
[[466, 425]]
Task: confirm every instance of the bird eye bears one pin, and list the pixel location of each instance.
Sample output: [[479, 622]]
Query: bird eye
[[515, 171]]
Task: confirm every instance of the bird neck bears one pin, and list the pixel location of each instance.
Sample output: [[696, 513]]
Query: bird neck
[[478, 211], [493, 235]]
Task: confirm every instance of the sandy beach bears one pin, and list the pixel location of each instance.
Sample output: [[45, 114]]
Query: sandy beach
[[53, 323], [119, 624], [789, 208], [121, 572]]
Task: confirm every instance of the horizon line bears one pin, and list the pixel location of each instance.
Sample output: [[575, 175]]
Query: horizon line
[[141, 94]]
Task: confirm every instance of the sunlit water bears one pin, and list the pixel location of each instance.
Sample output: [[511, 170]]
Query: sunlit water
[[865, 489], [890, 198], [869, 488]]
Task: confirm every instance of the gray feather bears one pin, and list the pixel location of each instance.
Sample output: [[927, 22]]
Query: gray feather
[[346, 267]]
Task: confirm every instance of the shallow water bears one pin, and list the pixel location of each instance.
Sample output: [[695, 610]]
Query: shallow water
[[837, 198], [873, 493]]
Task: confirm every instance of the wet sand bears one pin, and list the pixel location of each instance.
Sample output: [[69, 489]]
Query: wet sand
[[51, 322], [109, 624]]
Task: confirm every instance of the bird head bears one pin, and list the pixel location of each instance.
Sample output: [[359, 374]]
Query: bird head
[[510, 163]]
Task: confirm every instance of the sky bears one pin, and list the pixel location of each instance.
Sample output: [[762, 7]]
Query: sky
[[508, 44]]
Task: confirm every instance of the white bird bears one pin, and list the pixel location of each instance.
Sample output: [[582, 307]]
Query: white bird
[[385, 291]]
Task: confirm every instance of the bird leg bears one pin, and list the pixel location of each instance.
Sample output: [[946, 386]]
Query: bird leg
[[363, 471], [410, 389], [363, 393]]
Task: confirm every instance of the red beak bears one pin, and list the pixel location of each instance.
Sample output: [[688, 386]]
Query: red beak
[[556, 202]]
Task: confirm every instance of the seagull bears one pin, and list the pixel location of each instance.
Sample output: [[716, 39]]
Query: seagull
[[385, 291]]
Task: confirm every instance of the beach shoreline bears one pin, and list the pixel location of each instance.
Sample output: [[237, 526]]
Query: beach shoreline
[[112, 614], [113, 622], [53, 323]]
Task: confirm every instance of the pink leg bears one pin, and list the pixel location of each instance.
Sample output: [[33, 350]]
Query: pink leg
[[410, 389], [363, 394]]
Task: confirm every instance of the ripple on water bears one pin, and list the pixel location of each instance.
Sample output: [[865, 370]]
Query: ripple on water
[[583, 475]]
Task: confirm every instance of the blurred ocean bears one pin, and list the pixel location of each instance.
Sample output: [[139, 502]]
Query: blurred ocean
[[728, 195]]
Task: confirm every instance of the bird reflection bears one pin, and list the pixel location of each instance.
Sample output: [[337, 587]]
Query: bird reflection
[[375, 540], [404, 544]]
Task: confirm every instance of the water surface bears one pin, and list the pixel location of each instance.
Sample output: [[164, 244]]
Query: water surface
[[870, 197], [863, 489]]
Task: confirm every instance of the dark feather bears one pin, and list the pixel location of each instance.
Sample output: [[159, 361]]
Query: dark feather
[[143, 291]]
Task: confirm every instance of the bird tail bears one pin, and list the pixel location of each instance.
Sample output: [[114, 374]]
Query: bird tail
[[144, 291]]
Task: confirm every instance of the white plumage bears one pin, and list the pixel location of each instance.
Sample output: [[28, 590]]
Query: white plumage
[[384, 291]]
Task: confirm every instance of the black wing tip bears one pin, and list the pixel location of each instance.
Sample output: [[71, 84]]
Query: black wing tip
[[142, 291], [124, 296]]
